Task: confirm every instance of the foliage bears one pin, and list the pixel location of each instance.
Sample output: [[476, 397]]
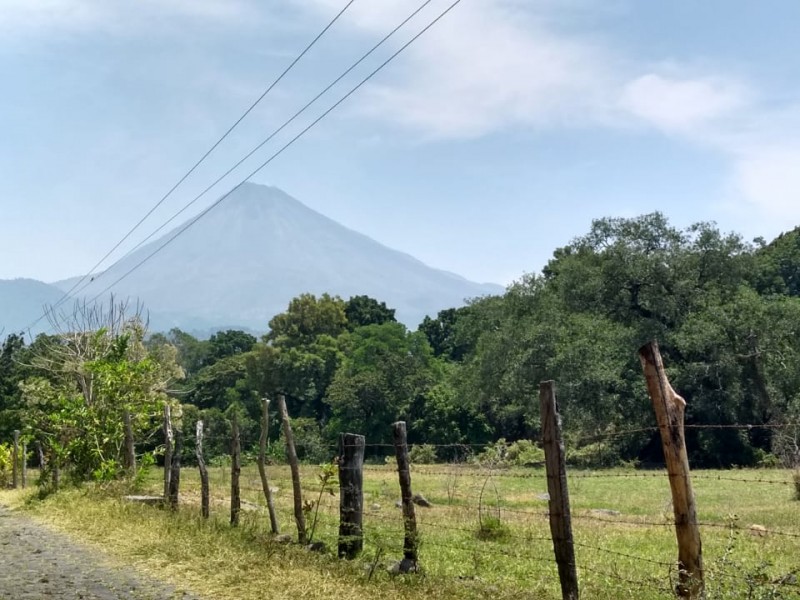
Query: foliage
[[522, 453], [6, 464], [85, 382], [363, 310], [422, 454]]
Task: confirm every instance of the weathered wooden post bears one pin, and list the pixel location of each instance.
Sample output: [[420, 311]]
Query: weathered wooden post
[[129, 459], [201, 466], [556, 466], [262, 465], [236, 469], [175, 470], [24, 465], [168, 437], [351, 494], [15, 460], [409, 564], [291, 454], [669, 408]]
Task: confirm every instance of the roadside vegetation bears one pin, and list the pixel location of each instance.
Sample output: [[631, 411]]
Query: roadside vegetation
[[88, 399]]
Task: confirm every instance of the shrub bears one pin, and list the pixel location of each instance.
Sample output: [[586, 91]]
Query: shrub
[[492, 529], [522, 453], [422, 454], [6, 465]]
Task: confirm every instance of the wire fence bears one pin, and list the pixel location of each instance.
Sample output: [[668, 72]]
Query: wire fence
[[485, 520], [490, 521]]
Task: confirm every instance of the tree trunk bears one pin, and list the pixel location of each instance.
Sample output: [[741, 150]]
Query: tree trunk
[[291, 454], [669, 408], [262, 465], [351, 495], [560, 518], [236, 469], [168, 437], [201, 465]]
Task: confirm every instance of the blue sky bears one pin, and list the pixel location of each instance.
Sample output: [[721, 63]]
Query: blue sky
[[494, 139]]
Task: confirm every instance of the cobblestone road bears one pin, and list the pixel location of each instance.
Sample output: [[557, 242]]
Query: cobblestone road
[[38, 563]]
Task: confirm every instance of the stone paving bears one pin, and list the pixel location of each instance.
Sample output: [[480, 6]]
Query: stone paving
[[41, 564]]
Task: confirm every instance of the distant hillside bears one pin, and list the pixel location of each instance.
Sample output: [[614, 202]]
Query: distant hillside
[[244, 261], [22, 302]]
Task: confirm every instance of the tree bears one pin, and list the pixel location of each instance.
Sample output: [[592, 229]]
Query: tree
[[307, 318], [82, 382], [363, 310], [385, 369], [228, 343]]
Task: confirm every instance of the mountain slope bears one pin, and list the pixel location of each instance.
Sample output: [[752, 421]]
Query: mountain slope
[[22, 301], [243, 262]]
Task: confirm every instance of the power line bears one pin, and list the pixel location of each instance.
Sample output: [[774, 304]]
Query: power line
[[278, 153], [198, 163], [271, 135]]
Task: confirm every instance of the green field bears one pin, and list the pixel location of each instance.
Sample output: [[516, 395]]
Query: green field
[[747, 515]]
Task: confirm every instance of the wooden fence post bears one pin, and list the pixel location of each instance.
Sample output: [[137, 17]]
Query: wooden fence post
[[410, 540], [669, 408], [175, 470], [168, 437], [560, 518], [291, 454], [201, 466], [262, 465], [24, 465], [15, 460], [351, 494], [236, 469], [129, 461]]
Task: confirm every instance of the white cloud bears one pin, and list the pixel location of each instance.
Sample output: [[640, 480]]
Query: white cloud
[[673, 104]]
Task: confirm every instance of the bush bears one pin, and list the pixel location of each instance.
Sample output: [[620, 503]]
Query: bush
[[6, 465], [598, 454], [522, 453], [422, 454], [492, 529]]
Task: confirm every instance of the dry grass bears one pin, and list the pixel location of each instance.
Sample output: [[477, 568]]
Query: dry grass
[[625, 555]]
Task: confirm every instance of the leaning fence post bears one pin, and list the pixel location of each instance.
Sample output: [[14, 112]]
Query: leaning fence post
[[236, 469], [669, 408], [168, 437], [262, 465], [555, 464], [175, 470], [15, 459], [351, 494], [24, 465], [410, 541], [201, 466], [291, 454]]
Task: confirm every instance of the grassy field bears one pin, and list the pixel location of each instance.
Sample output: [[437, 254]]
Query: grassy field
[[625, 544]]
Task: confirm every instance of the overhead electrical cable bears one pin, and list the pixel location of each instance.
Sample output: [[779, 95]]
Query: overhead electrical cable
[[196, 164], [200, 215]]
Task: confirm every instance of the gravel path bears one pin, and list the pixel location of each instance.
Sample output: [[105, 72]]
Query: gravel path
[[41, 564]]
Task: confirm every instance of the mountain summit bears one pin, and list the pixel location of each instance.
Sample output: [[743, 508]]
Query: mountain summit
[[249, 256]]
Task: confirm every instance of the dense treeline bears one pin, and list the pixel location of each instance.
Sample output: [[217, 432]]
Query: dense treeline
[[726, 314]]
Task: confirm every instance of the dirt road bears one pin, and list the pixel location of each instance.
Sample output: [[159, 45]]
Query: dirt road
[[41, 564]]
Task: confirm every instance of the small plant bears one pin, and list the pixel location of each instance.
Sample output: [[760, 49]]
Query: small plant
[[493, 529], [422, 454], [328, 479]]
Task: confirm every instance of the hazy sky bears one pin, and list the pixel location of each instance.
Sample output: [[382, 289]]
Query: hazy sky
[[497, 137]]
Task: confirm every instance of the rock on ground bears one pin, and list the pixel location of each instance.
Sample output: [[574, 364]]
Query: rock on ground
[[37, 563]]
